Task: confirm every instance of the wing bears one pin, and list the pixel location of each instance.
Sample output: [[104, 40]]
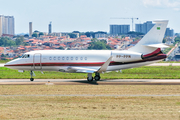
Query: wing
[[100, 69]]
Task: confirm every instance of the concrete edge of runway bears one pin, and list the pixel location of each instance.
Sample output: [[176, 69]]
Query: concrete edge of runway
[[85, 82]]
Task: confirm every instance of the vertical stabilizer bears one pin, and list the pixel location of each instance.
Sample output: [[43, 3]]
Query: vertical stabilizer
[[153, 39]]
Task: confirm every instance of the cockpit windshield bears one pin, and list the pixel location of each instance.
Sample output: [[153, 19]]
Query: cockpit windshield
[[25, 56]]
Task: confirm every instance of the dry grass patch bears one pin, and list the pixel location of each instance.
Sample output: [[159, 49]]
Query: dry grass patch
[[90, 89], [91, 108]]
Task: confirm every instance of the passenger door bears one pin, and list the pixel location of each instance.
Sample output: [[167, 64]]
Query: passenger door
[[37, 61]]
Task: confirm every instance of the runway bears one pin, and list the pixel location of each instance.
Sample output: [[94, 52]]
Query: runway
[[85, 82]]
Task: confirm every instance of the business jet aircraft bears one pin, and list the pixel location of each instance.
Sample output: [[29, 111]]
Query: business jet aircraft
[[146, 51]]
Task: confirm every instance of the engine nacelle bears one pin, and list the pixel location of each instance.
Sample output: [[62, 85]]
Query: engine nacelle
[[126, 56]]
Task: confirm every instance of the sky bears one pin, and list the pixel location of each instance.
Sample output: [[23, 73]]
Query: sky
[[88, 15]]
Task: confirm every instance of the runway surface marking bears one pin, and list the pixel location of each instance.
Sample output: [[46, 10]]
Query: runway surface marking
[[88, 95]]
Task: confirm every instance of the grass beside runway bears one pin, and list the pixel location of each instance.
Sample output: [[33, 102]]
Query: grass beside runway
[[145, 72], [91, 108]]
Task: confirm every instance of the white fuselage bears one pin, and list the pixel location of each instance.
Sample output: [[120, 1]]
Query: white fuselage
[[61, 60]]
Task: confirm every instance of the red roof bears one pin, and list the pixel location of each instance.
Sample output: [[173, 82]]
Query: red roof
[[1, 48]]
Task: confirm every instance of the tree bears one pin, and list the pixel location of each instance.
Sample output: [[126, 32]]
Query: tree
[[19, 40], [26, 35], [36, 31], [177, 39], [164, 41], [61, 48], [99, 45], [41, 33], [72, 35], [75, 32], [34, 34], [5, 41]]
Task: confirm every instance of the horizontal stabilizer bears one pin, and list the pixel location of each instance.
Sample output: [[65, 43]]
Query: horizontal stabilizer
[[160, 45]]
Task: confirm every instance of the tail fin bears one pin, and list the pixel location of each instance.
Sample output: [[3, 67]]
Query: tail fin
[[153, 39]]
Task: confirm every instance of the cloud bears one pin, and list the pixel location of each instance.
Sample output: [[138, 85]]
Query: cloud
[[174, 4]]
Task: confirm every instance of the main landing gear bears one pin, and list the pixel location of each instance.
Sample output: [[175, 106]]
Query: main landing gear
[[96, 77], [31, 73]]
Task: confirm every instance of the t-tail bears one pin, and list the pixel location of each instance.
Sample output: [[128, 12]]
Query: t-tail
[[151, 44]]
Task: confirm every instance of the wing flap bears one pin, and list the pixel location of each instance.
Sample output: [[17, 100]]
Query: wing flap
[[82, 69]]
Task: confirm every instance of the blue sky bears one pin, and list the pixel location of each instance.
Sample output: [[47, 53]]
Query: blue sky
[[87, 15]]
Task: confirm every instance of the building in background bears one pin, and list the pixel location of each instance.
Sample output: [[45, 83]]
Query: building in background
[[169, 32], [119, 29], [30, 29], [1, 25], [100, 35], [145, 27], [6, 25], [50, 28]]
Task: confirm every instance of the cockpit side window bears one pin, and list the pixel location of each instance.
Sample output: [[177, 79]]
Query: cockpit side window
[[25, 56]]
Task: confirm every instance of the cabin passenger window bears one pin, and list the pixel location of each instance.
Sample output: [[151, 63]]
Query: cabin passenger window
[[62, 58], [50, 58], [85, 58], [76, 58], [67, 58], [59, 58], [54, 58], [81, 58], [71, 58]]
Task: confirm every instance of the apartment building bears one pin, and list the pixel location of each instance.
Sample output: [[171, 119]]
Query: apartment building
[[119, 29], [145, 27], [6, 25]]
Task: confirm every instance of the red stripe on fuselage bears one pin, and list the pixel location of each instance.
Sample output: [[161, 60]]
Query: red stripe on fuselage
[[60, 64]]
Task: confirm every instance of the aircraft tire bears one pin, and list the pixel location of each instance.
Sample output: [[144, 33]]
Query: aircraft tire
[[31, 79], [89, 80], [97, 78]]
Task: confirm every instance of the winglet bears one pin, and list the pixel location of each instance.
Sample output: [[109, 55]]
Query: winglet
[[105, 65]]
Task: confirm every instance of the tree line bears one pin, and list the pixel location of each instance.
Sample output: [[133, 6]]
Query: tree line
[[6, 41], [98, 45]]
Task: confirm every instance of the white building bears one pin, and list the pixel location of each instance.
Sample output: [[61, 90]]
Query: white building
[[6, 25]]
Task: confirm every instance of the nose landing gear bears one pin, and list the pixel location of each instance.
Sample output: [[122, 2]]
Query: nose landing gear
[[32, 74]]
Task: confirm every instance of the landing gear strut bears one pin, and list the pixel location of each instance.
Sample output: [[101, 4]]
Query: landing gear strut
[[96, 77], [31, 73]]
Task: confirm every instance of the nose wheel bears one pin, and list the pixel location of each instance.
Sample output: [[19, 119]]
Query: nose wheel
[[31, 79], [31, 73]]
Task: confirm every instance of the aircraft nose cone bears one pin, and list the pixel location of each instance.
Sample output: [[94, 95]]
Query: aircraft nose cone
[[7, 64]]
